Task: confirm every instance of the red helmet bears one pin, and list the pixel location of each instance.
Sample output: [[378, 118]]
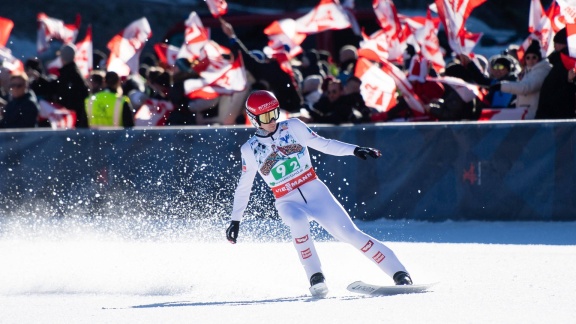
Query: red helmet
[[261, 102]]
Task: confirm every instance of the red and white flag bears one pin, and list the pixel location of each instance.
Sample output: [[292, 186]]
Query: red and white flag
[[83, 57], [327, 15], [126, 46], [404, 86], [567, 10], [453, 15], [8, 61], [214, 82], [379, 47], [154, 112], [58, 116], [503, 114], [284, 32], [52, 28], [217, 7], [429, 45], [195, 38], [540, 28], [84, 53], [167, 54], [378, 88], [6, 26]]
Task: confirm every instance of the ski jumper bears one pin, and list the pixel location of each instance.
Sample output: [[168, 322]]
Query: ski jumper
[[283, 161]]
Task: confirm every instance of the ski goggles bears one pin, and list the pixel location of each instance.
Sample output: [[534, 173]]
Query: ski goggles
[[268, 117]]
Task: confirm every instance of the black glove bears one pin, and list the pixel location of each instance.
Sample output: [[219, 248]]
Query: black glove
[[495, 87], [232, 231], [364, 152]]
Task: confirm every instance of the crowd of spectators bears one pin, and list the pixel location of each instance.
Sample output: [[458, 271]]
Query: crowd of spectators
[[321, 89]]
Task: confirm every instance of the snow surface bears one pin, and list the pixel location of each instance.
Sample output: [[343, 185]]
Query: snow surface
[[183, 271]]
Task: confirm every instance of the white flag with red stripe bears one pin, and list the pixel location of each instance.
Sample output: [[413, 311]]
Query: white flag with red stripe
[[126, 46], [327, 15], [217, 7], [8, 61], [6, 26], [58, 116], [453, 15], [429, 45], [216, 81], [51, 28], [540, 29], [195, 38], [154, 112], [379, 47], [167, 54], [83, 57], [567, 10], [404, 86], [378, 88], [283, 32]]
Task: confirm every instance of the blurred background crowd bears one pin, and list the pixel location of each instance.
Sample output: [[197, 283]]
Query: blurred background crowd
[[411, 68]]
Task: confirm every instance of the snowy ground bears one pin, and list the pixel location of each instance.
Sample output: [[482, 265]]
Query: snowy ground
[[62, 272]]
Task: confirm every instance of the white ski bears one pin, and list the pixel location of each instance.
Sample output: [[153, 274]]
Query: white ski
[[377, 290]]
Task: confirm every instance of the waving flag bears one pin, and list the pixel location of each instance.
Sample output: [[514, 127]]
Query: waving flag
[[167, 54], [6, 26], [378, 88], [404, 86], [195, 38], [327, 15], [8, 61], [217, 7], [379, 47], [52, 28], [82, 58], [154, 112], [215, 81], [453, 15], [283, 32], [567, 10], [126, 46], [540, 29], [59, 116], [428, 43]]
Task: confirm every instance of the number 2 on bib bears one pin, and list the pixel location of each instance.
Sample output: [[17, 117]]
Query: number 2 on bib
[[285, 168]]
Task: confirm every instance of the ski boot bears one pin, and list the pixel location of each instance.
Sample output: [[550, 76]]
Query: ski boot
[[402, 278], [318, 287]]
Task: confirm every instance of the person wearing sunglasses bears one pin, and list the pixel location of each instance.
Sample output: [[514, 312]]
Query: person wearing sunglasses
[[527, 88], [501, 68], [279, 152], [22, 109]]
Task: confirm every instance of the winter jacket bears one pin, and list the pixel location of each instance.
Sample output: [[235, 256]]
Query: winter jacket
[[527, 90], [21, 112], [557, 95]]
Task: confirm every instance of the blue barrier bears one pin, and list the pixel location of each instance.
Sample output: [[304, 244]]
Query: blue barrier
[[429, 171]]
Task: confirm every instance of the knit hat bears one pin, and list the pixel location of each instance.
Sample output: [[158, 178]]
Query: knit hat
[[561, 37], [504, 61], [67, 53], [534, 48]]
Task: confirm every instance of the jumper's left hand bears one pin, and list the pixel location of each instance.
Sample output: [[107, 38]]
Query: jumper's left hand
[[364, 152]]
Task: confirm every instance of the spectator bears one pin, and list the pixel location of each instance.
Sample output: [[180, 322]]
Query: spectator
[[347, 56], [267, 71], [71, 89], [22, 109], [343, 105], [181, 115], [527, 88], [96, 81], [109, 107], [557, 92], [501, 69]]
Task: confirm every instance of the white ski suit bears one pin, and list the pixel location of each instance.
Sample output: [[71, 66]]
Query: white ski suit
[[283, 161]]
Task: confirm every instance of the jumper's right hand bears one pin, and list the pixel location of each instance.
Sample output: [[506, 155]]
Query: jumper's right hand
[[232, 231]]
